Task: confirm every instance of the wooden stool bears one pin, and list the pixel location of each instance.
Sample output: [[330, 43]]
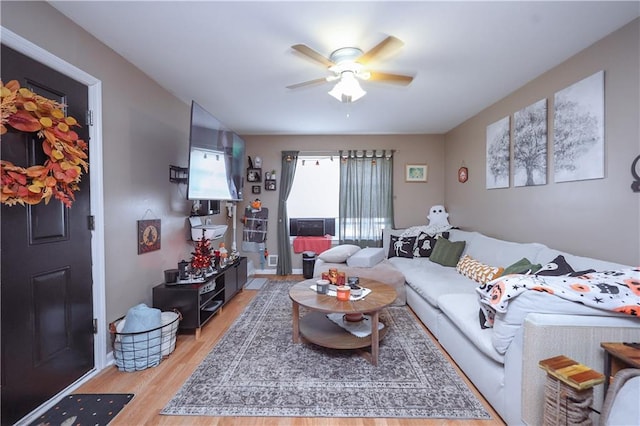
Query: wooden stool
[[568, 391]]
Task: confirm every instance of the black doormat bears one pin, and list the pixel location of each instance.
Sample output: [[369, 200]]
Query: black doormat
[[85, 409]]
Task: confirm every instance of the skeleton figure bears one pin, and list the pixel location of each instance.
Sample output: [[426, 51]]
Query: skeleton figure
[[397, 246]]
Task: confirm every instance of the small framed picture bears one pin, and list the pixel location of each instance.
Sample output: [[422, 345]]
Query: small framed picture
[[254, 175], [148, 235], [463, 174], [255, 189], [416, 173], [270, 185]]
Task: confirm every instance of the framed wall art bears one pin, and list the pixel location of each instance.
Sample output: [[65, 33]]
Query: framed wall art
[[255, 189], [254, 175], [463, 174], [270, 184], [148, 235], [530, 145], [415, 173], [497, 173], [578, 134]]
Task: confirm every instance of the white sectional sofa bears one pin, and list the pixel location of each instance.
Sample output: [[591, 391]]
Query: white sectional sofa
[[502, 361]]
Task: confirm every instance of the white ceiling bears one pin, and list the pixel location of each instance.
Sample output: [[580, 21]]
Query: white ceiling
[[235, 58]]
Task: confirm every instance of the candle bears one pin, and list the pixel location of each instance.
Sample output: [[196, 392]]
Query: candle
[[343, 293], [322, 286]]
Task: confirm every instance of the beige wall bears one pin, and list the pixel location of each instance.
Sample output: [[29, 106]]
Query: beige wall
[[144, 130], [412, 200], [597, 218]]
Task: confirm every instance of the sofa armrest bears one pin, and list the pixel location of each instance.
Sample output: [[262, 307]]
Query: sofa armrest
[[576, 336]]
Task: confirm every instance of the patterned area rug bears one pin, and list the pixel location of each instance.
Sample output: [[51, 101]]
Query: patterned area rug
[[256, 370]]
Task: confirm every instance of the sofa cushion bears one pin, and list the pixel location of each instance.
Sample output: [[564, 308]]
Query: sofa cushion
[[447, 253], [339, 254], [522, 266], [492, 251], [366, 258], [507, 324], [556, 268], [401, 246], [431, 280], [425, 243], [462, 310], [579, 263], [476, 270]]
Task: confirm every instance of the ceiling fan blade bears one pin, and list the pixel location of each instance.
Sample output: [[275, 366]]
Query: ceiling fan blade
[[390, 78], [308, 83], [388, 44], [307, 51]]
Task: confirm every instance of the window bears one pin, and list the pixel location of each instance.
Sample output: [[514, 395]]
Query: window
[[364, 181], [316, 188]]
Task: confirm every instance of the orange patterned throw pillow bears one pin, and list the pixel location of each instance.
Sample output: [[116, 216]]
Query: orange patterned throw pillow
[[477, 271]]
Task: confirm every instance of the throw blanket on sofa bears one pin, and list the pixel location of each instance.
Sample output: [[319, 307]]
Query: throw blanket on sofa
[[616, 291]]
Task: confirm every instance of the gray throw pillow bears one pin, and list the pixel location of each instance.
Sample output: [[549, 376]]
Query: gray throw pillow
[[447, 253]]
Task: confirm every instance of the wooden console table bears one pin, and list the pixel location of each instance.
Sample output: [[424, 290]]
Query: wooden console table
[[618, 356]]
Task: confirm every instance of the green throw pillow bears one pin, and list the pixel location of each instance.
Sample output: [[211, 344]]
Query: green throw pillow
[[447, 253], [522, 266]]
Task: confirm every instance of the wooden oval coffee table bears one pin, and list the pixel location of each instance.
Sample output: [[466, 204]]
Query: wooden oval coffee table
[[317, 328]]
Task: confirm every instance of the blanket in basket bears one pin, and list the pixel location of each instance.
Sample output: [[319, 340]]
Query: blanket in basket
[[138, 345], [616, 291]]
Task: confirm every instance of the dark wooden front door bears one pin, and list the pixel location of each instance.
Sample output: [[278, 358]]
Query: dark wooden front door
[[47, 301]]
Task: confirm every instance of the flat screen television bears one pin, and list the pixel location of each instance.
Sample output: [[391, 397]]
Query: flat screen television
[[216, 159]]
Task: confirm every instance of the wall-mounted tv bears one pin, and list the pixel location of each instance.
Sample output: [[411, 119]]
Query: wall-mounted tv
[[216, 159]]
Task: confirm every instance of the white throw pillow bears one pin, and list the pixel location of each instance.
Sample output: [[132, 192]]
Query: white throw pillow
[[366, 258], [339, 254]]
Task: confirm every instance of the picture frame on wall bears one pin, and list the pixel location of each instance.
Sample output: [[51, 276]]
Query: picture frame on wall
[[415, 173], [579, 155], [498, 154], [270, 184], [148, 235], [530, 145], [254, 175], [255, 189], [463, 174]]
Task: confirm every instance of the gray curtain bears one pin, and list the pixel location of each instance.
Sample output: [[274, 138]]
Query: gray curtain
[[366, 197], [289, 160]]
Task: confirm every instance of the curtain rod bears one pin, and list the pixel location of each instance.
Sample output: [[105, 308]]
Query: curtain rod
[[337, 151]]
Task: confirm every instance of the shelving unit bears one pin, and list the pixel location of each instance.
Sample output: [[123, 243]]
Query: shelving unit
[[198, 302]]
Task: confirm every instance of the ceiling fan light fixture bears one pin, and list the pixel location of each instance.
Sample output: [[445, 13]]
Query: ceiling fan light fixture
[[347, 89]]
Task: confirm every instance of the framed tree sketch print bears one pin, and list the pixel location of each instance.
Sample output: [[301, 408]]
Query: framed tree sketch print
[[578, 135], [498, 154], [530, 145]]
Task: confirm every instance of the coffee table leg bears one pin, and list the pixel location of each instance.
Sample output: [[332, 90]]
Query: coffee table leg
[[375, 337], [296, 324]]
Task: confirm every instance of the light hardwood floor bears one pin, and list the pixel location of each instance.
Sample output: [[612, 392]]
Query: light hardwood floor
[[154, 387]]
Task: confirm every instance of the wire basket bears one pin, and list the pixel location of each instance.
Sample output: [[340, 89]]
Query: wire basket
[[144, 349]]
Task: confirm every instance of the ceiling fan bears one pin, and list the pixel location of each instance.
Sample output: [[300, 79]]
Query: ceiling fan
[[348, 65]]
